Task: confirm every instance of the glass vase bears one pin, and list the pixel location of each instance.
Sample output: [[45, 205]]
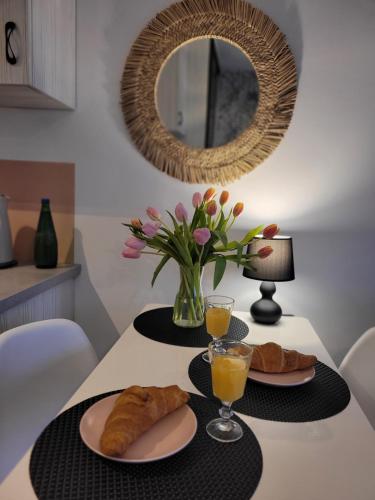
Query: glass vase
[[188, 311]]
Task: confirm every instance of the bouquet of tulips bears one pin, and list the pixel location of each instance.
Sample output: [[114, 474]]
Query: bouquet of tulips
[[193, 244]]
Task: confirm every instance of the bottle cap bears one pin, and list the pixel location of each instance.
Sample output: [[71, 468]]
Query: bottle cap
[[45, 200]]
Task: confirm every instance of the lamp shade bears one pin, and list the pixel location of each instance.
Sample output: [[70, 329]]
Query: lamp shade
[[279, 266]]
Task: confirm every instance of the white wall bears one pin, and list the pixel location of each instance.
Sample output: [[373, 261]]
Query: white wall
[[318, 185]]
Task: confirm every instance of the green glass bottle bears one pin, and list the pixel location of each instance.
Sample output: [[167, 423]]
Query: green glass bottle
[[45, 248]]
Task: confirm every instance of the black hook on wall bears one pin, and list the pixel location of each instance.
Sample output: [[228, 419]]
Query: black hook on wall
[[11, 58]]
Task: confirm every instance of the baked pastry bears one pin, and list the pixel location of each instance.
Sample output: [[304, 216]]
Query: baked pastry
[[272, 358], [134, 412]]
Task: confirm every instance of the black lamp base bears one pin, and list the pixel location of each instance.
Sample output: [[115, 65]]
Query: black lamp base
[[266, 310]]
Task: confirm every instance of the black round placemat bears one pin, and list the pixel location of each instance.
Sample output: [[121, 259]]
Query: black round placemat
[[326, 395], [157, 324], [62, 467]]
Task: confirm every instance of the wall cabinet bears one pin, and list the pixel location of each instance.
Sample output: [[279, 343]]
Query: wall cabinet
[[38, 53]]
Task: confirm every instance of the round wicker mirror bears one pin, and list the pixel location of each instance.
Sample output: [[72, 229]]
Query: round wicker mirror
[[234, 22]]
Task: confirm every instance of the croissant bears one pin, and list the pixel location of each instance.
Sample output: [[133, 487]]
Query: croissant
[[134, 412], [272, 358]]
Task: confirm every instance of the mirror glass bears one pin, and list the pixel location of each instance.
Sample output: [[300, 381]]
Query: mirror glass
[[207, 93]]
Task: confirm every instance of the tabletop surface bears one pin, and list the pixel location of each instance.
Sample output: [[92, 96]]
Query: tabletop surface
[[326, 459]]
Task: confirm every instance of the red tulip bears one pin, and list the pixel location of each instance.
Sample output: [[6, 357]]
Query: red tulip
[[209, 194], [238, 208], [265, 252], [211, 207], [224, 198], [270, 231]]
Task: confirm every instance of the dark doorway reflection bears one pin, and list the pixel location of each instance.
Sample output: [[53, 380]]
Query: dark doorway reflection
[[207, 93]]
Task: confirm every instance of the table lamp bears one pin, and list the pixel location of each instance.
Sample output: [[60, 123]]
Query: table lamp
[[278, 266]]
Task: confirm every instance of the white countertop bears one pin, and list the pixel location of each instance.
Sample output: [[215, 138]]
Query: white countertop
[[330, 459], [20, 283]]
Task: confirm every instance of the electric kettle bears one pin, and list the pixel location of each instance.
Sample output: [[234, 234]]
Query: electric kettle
[[6, 252]]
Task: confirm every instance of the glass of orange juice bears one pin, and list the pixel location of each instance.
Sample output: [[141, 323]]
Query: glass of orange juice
[[218, 311], [230, 363]]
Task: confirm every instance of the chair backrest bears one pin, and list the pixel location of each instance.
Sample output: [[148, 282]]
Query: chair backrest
[[357, 368], [41, 365]]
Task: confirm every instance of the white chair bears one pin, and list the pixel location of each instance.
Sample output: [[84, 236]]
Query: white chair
[[358, 370], [41, 365]]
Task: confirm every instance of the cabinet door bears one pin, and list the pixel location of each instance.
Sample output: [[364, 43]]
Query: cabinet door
[[13, 11], [53, 29]]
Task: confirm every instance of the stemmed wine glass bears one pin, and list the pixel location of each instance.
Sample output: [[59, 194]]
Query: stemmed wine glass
[[230, 363], [218, 311]]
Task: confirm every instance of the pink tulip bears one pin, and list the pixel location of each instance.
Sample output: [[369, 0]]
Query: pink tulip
[[131, 253], [197, 200], [265, 252], [181, 213], [135, 243], [211, 207], [270, 231], [201, 235], [153, 213], [150, 228]]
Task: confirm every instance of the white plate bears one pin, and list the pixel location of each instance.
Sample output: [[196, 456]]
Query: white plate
[[291, 379], [165, 438]]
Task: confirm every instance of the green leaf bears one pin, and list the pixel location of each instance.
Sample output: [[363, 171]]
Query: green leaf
[[219, 269], [202, 219], [181, 250], [195, 219], [226, 220], [167, 248], [250, 256], [187, 232], [220, 224], [222, 236], [159, 267], [175, 223], [250, 235], [181, 241], [232, 245]]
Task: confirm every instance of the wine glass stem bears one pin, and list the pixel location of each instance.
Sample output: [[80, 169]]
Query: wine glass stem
[[225, 413], [217, 341]]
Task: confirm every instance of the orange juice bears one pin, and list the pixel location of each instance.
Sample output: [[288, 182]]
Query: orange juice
[[217, 321], [229, 377]]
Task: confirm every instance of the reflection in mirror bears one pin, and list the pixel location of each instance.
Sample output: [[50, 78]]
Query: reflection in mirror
[[207, 93]]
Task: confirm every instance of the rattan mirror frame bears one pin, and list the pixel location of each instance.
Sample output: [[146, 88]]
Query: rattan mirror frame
[[241, 24]]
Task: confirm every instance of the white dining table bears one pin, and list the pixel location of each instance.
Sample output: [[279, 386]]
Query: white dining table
[[329, 459]]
